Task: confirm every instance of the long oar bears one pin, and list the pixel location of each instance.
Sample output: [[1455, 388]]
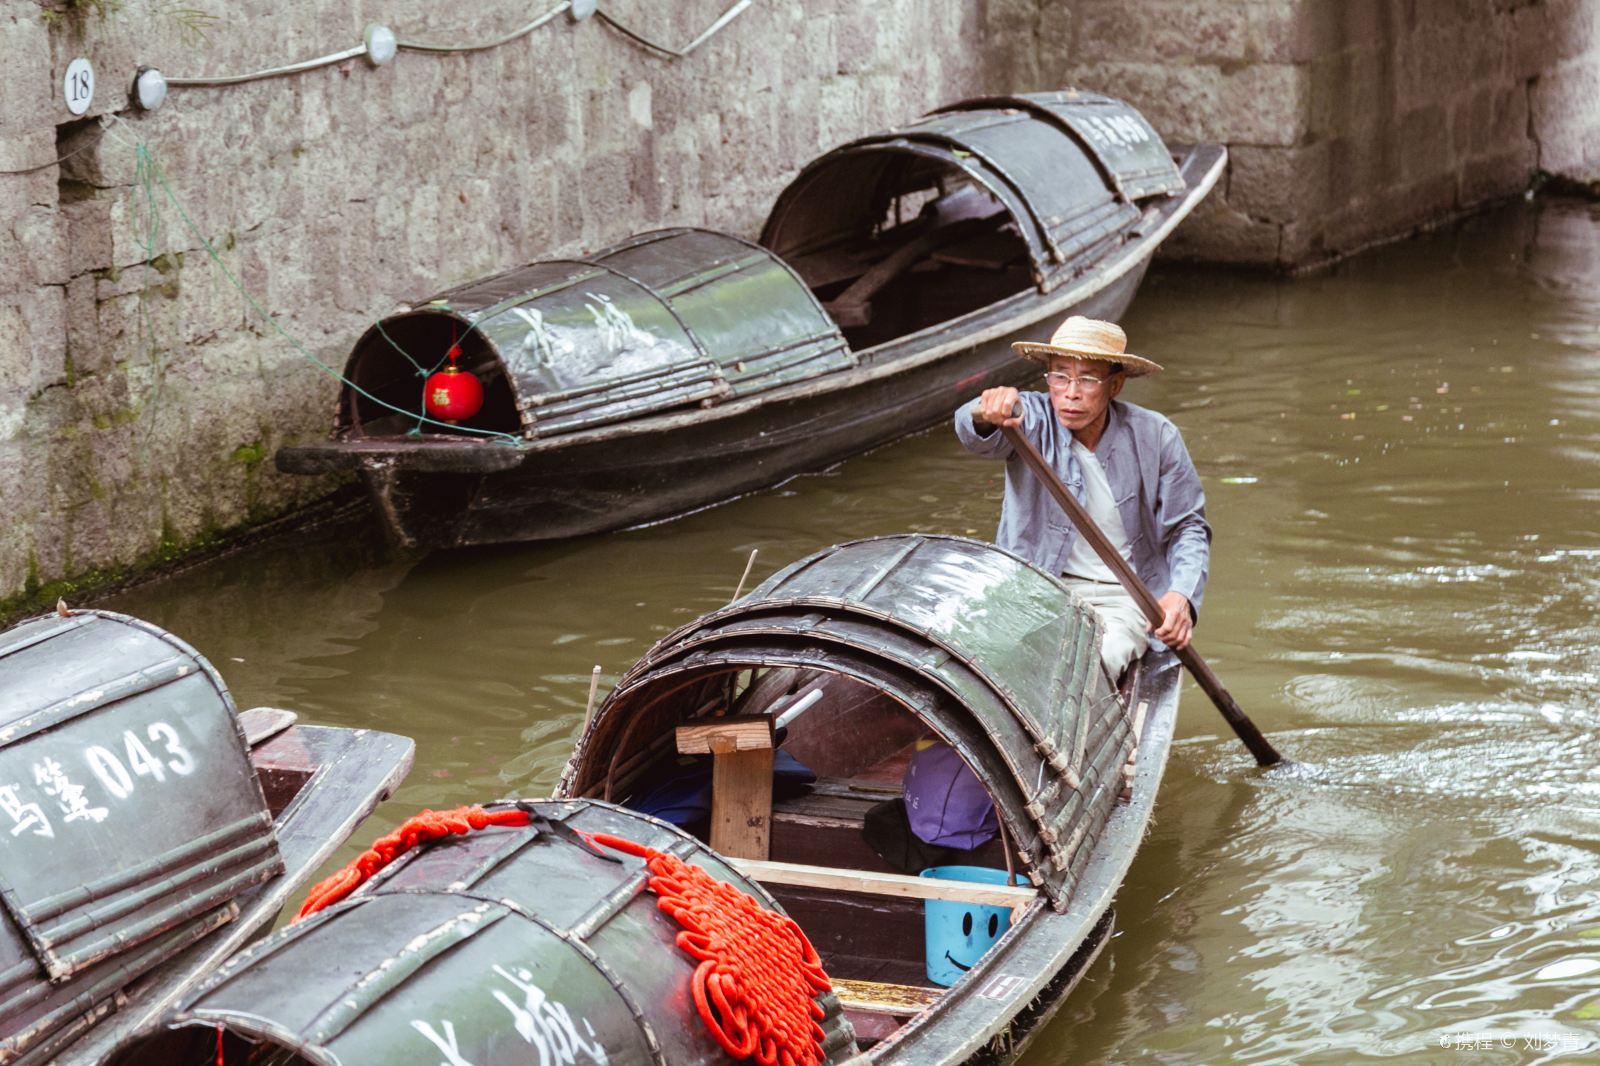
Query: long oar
[[1265, 753]]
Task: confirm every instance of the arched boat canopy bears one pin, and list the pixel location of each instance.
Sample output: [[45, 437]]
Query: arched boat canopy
[[505, 947], [135, 819], [1069, 167], [663, 319], [995, 656]]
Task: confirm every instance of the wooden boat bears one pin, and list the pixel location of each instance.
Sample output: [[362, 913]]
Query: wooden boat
[[685, 367], [486, 947], [150, 830]]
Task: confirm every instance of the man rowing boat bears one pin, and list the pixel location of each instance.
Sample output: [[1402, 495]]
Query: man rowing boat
[[1127, 465]]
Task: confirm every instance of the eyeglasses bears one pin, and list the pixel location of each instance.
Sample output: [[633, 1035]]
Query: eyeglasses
[[1057, 379]]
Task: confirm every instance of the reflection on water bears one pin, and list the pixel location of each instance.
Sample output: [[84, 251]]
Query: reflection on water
[[1403, 461]]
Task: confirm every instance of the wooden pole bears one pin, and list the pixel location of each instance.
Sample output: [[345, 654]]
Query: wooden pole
[[1265, 754], [588, 710], [739, 590], [741, 748]]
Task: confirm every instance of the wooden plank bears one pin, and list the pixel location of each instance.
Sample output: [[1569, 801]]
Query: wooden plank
[[878, 998], [264, 723], [866, 882], [737, 732], [741, 801]]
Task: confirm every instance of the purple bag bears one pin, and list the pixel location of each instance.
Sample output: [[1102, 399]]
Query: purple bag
[[945, 802]]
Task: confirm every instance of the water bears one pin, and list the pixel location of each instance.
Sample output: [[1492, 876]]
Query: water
[[1402, 458]]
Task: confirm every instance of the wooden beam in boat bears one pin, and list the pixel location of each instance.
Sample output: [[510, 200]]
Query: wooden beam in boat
[[875, 997], [741, 748], [870, 883], [746, 732]]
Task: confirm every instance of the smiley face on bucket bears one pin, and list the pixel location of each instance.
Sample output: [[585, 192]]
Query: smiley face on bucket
[[980, 928]]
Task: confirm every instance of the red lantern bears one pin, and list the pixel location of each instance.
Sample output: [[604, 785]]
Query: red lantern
[[452, 394]]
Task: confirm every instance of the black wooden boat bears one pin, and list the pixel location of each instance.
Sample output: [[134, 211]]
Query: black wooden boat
[[685, 367], [488, 947], [147, 830]]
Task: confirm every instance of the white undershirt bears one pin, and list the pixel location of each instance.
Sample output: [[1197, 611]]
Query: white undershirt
[[1082, 560]]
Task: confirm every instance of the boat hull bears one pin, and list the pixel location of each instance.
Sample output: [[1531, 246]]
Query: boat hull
[[611, 482]]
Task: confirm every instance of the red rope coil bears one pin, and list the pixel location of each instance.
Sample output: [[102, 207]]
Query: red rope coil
[[758, 978]]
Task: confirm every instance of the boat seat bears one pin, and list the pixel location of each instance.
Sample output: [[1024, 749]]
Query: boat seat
[[994, 250], [825, 826], [853, 307], [877, 997], [834, 264]]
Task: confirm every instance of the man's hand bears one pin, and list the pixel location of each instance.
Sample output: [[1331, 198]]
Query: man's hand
[[995, 407], [1177, 623]]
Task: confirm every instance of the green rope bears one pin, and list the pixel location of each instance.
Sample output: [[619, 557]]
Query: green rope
[[424, 373], [150, 174]]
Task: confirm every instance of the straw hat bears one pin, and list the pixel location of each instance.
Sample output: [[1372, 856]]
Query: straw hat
[[1088, 338]]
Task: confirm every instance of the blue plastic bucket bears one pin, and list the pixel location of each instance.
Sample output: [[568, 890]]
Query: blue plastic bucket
[[958, 934]]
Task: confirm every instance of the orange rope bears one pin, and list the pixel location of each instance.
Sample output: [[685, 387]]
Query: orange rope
[[418, 829], [758, 977]]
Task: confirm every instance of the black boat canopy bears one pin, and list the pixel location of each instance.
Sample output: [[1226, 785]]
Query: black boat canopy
[[992, 654], [132, 816], [506, 947], [663, 319], [1068, 167]]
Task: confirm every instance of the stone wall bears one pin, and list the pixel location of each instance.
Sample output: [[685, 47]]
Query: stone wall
[[142, 397], [1349, 121]]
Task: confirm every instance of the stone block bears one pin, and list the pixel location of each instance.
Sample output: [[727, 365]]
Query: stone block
[[31, 99], [1215, 231], [16, 363], [1566, 121], [1544, 34], [1439, 61], [857, 38], [1324, 28], [1012, 33], [1186, 31], [1359, 167], [1425, 143], [1278, 184], [1261, 105], [1351, 92], [44, 336], [89, 244], [83, 327], [1496, 176], [18, 490], [1385, 213]]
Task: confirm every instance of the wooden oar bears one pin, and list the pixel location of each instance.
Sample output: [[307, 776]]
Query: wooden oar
[[1260, 747]]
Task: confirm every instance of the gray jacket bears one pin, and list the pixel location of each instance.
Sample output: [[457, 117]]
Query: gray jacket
[[1153, 481]]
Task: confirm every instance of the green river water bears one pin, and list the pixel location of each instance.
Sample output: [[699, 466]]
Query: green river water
[[1402, 462]]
